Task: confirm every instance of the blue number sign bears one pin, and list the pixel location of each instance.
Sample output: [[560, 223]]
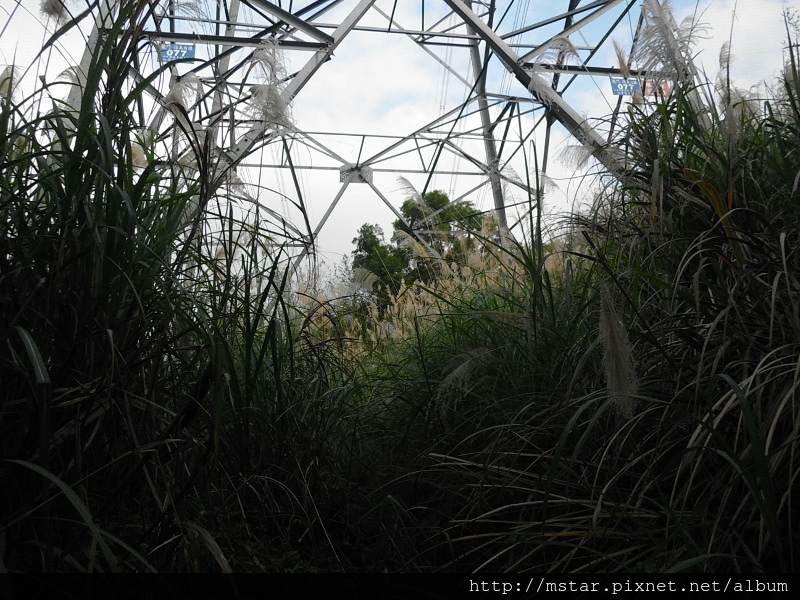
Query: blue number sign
[[624, 87], [174, 51]]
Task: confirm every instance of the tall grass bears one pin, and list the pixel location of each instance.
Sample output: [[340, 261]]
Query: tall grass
[[622, 401], [635, 409], [153, 381]]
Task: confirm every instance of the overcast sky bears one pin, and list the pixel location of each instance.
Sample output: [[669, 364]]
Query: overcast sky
[[385, 84]]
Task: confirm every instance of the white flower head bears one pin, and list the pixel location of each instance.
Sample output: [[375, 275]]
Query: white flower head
[[269, 58], [267, 104], [8, 81], [179, 90], [55, 9]]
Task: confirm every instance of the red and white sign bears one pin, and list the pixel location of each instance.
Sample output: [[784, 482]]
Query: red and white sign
[[657, 88]]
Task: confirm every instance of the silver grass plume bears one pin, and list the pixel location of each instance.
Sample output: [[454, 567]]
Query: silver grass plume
[[737, 104], [421, 250], [8, 81], [408, 187], [267, 102], [723, 83], [405, 240], [622, 60], [546, 183], [565, 49], [178, 104], [268, 105], [618, 363], [361, 280], [191, 8], [510, 173], [413, 194], [176, 97], [70, 74], [418, 246], [559, 50], [142, 148], [465, 371], [138, 155], [541, 88], [725, 56], [54, 9], [269, 58], [576, 155], [664, 50]]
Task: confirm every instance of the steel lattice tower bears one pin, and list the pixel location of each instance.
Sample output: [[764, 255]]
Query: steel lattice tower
[[235, 65]]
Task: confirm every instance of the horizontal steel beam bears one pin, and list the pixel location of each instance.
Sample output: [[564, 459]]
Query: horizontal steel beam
[[374, 169], [227, 40], [293, 20], [581, 69]]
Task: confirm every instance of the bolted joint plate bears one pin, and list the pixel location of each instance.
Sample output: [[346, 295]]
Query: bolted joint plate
[[354, 174]]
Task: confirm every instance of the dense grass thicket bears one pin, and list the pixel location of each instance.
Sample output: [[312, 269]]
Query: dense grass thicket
[[623, 398]]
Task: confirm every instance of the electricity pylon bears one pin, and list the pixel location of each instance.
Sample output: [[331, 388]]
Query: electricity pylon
[[231, 69]]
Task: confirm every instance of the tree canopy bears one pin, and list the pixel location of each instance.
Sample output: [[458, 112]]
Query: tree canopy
[[439, 230], [442, 225], [389, 263]]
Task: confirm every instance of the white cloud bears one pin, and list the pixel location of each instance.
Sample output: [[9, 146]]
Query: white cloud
[[370, 76], [756, 33]]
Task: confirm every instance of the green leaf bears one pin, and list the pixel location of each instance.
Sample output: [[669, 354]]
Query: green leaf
[[39, 368], [79, 506]]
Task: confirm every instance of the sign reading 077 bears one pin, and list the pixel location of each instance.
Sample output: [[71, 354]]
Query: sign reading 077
[[624, 87], [174, 51]]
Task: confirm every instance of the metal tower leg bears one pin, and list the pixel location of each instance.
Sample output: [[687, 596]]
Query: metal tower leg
[[479, 69]]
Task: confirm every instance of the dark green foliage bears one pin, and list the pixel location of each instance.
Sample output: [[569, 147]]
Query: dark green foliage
[[433, 231], [435, 219], [445, 229], [388, 263], [152, 373], [164, 406]]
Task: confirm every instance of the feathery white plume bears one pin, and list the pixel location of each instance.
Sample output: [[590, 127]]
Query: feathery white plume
[[465, 371], [405, 240], [54, 9], [8, 81], [268, 105], [559, 50], [177, 93], [408, 188], [138, 156], [541, 88], [725, 56], [141, 147], [361, 280], [267, 101], [190, 7], [665, 49], [576, 155], [622, 60], [617, 356], [70, 74], [269, 58]]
